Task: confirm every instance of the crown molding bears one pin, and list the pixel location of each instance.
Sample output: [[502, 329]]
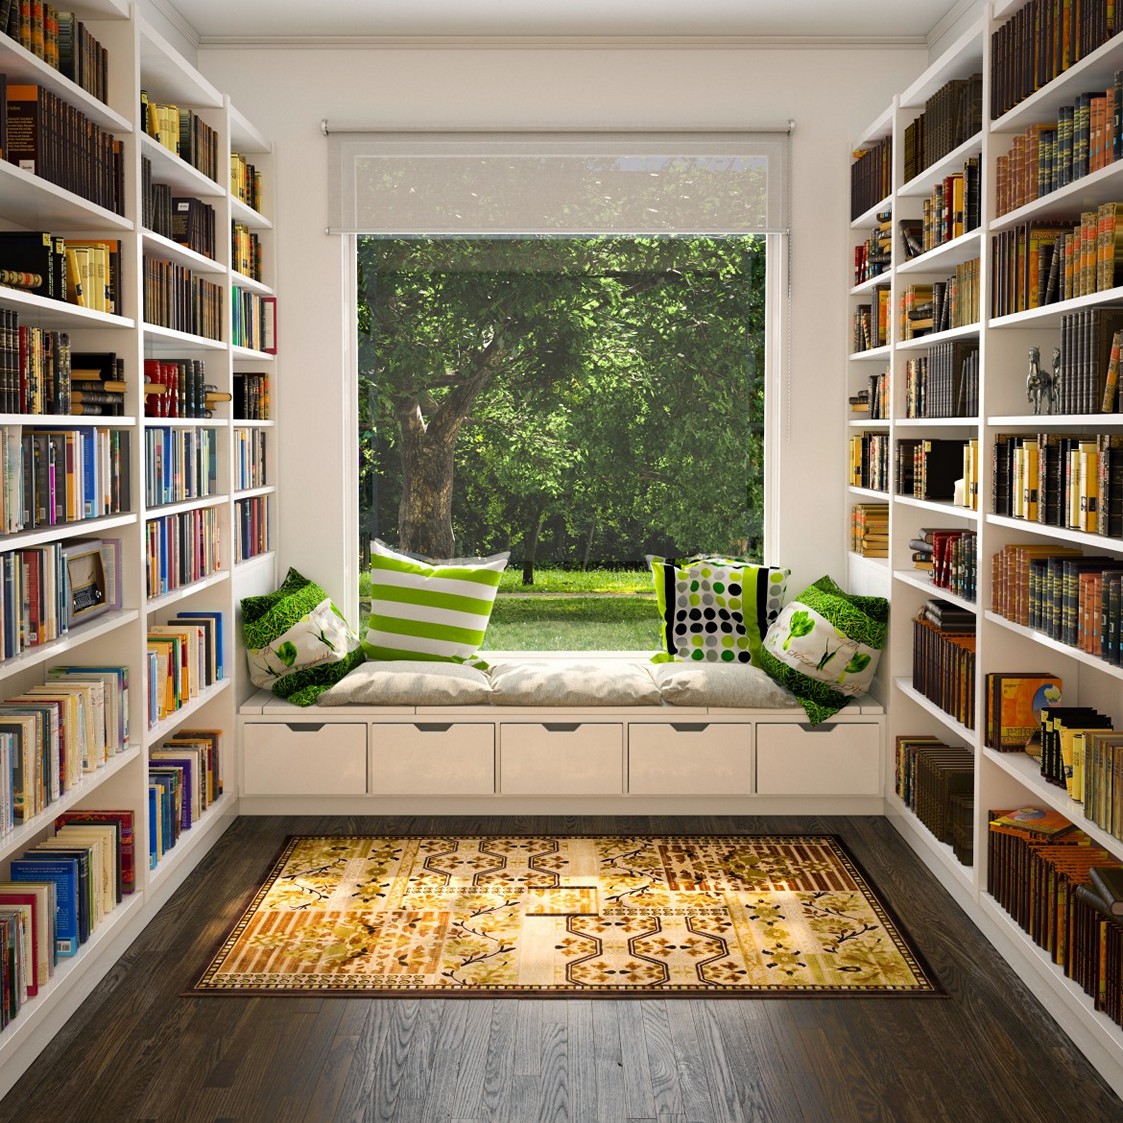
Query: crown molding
[[964, 10], [176, 20], [560, 42]]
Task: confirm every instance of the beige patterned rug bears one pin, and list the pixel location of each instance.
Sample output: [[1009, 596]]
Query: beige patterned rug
[[647, 915]]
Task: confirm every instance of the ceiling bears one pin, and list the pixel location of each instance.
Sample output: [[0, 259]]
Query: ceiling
[[215, 21]]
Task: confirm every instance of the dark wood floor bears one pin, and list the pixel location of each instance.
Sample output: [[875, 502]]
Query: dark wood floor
[[137, 1050]]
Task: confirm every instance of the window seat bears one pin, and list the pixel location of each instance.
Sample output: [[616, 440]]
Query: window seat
[[558, 736]]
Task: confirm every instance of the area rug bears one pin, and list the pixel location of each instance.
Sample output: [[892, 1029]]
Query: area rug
[[563, 915]]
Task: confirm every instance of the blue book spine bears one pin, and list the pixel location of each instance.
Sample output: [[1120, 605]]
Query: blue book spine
[[64, 873]]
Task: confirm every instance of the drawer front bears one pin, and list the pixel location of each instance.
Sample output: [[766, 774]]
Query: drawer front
[[304, 758], [432, 758], [822, 760], [561, 758], [690, 758]]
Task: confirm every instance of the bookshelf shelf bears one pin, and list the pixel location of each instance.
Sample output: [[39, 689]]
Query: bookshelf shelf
[[1000, 645], [140, 61]]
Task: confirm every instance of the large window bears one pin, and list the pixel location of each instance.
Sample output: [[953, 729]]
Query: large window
[[565, 341], [580, 402]]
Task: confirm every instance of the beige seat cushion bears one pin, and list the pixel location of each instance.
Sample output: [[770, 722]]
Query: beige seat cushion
[[572, 682], [737, 685], [410, 682]]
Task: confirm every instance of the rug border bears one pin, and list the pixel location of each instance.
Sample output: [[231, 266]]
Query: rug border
[[935, 989]]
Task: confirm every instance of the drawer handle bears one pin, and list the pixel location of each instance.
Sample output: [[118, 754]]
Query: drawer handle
[[690, 726], [807, 728], [305, 726], [561, 726], [432, 726]]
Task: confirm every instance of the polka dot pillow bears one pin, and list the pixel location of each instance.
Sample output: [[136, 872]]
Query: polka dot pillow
[[715, 609]]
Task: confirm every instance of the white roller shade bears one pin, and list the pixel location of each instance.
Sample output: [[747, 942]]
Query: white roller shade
[[572, 183]]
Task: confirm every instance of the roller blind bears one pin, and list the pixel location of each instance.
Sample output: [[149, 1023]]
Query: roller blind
[[555, 182]]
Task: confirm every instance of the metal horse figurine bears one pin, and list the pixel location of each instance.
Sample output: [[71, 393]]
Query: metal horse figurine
[[1039, 383]]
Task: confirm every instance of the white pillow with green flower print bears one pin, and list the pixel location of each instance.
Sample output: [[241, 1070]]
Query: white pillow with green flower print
[[320, 636]]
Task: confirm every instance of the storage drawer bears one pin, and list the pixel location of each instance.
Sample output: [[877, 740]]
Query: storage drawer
[[561, 758], [840, 759], [432, 758], [690, 758], [304, 758]]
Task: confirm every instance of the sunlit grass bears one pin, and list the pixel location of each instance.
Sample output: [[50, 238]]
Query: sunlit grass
[[573, 623]]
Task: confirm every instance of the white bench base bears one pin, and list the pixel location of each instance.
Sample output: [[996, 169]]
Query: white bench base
[[501, 760]]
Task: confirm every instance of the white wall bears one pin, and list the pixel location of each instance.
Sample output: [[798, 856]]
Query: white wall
[[831, 94]]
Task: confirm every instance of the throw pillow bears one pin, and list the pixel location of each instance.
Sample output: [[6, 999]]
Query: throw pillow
[[825, 646], [576, 682], [403, 682], [714, 608], [429, 610], [736, 685], [297, 642]]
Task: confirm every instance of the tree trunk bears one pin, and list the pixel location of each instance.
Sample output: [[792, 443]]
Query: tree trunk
[[532, 546], [425, 511]]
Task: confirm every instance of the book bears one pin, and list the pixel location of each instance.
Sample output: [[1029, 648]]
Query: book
[[62, 871], [1041, 821], [1014, 702], [1108, 882]]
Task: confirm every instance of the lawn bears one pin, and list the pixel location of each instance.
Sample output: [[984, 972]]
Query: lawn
[[604, 622], [567, 610]]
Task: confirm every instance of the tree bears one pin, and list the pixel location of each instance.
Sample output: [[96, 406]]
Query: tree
[[550, 372]]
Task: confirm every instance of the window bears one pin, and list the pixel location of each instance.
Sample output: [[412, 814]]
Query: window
[[579, 399]]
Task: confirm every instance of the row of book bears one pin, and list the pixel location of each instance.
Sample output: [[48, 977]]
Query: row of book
[[41, 376], [939, 469], [1087, 372], [41, 902], [175, 298], [869, 529], [943, 665], [936, 782], [871, 176], [1040, 41], [245, 182], [870, 322], [179, 464], [1069, 480], [945, 381], [914, 311], [1041, 262], [184, 657], [950, 557], [184, 780], [245, 251], [81, 271], [183, 219], [183, 132], [1063, 889], [58, 732], [869, 461], [253, 321], [251, 461], [1085, 137], [1071, 597], [176, 388], [951, 209], [951, 116], [181, 549], [50, 138], [251, 396], [252, 527], [61, 40], [50, 477], [873, 400]]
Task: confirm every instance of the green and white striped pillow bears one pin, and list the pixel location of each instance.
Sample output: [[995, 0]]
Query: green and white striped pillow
[[429, 610]]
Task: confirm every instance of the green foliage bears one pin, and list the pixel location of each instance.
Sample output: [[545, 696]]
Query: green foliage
[[605, 396]]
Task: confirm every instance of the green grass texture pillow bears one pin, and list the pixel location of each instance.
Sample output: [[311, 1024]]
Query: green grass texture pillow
[[715, 609], [429, 610], [825, 647], [297, 642]]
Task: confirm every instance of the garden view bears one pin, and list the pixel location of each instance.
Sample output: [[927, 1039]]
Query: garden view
[[580, 403]]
